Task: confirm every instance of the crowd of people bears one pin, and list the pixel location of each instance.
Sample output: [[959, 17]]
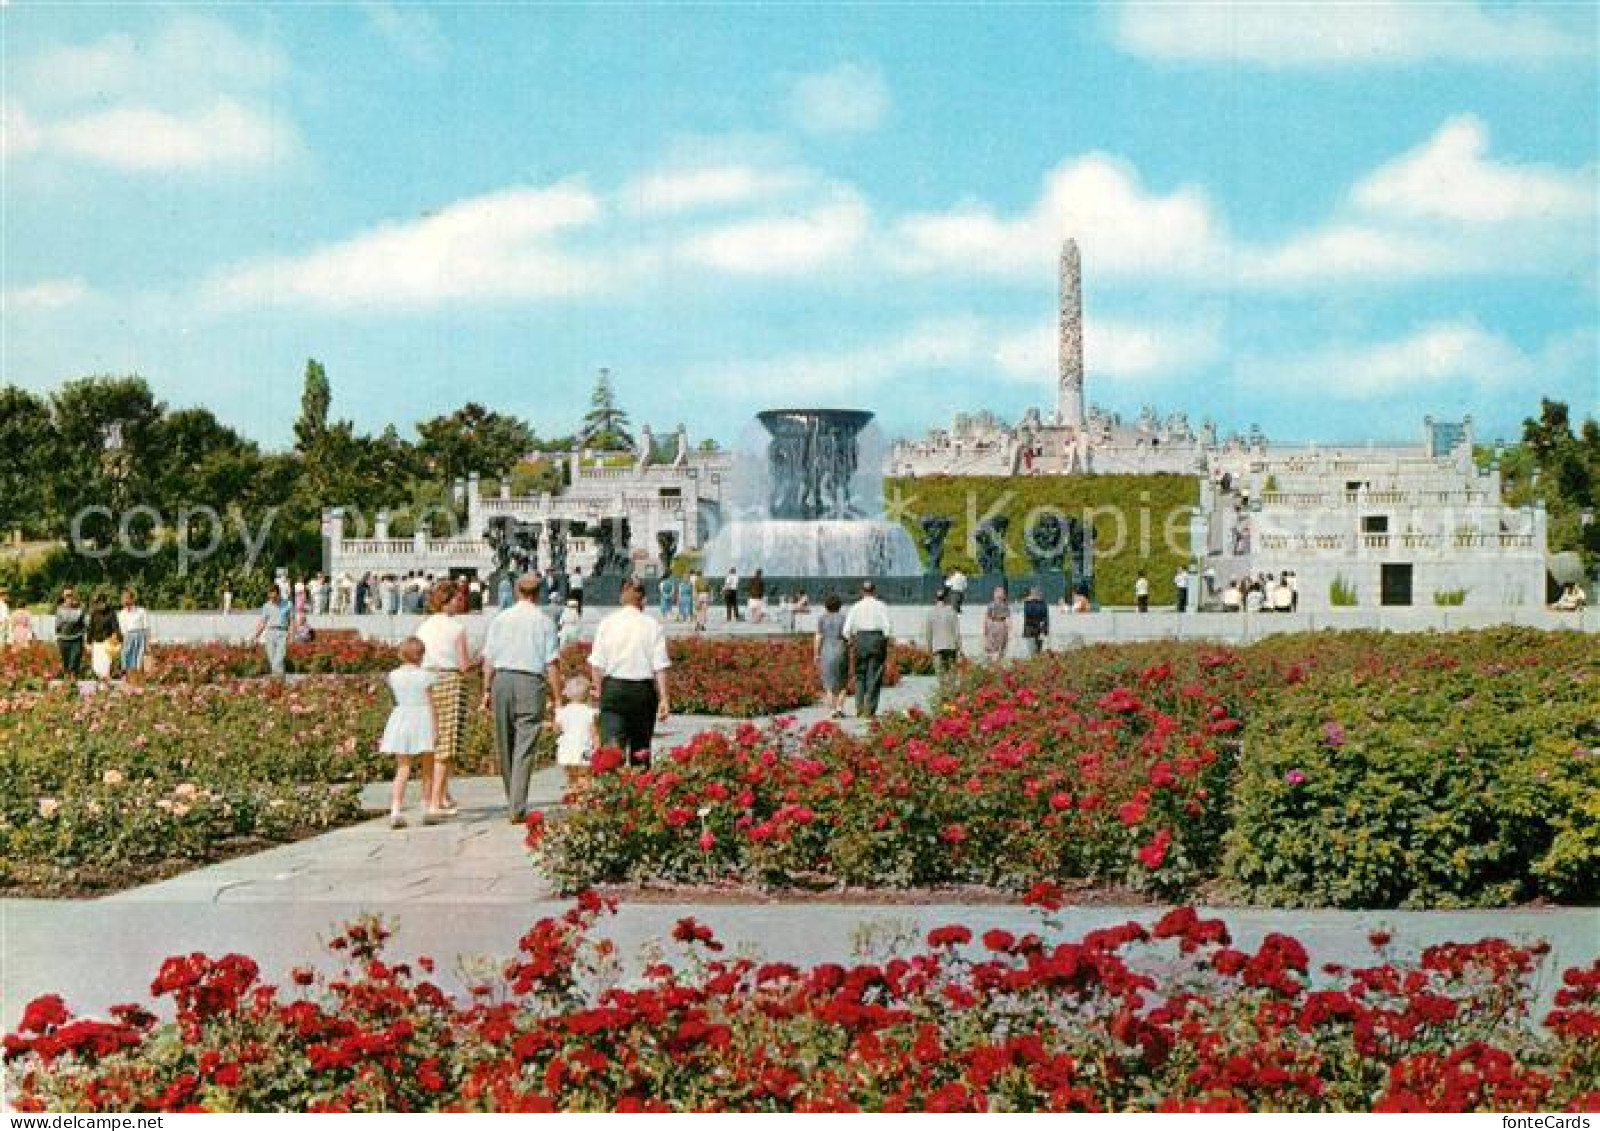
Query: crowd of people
[[112, 635]]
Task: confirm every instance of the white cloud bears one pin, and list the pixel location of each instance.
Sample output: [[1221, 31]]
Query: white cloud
[[410, 30], [676, 190], [142, 139], [488, 248], [1459, 355], [18, 133], [785, 244], [47, 294], [189, 57], [1449, 177], [1112, 348], [935, 344], [1373, 33], [849, 98], [193, 96], [1122, 228]]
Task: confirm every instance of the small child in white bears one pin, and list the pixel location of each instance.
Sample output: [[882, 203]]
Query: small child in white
[[412, 724], [571, 622], [578, 728]]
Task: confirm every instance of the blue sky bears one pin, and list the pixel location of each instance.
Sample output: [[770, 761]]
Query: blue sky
[[1329, 221]]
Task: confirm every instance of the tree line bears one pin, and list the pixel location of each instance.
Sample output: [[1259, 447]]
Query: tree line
[[121, 488]]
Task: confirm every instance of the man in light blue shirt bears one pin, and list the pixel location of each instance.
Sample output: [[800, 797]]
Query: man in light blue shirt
[[520, 678]]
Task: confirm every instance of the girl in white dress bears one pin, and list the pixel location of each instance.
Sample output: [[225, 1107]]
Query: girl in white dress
[[577, 728], [412, 724]]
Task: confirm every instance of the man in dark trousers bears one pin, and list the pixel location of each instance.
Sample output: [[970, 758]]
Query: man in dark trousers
[[628, 664], [868, 629]]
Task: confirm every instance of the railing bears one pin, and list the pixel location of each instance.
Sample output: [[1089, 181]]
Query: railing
[[1321, 500], [1339, 543]]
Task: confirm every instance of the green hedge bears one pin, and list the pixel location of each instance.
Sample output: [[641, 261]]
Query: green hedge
[[1145, 501]]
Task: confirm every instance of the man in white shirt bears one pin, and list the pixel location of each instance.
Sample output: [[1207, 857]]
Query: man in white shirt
[[519, 663], [868, 629], [628, 664], [957, 584], [730, 596], [1180, 582], [1141, 592]]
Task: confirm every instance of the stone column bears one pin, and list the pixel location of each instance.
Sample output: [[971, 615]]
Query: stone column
[[1069, 392]]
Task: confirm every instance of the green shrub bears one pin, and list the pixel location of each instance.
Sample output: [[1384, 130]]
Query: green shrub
[[1450, 598], [1453, 771], [1341, 594]]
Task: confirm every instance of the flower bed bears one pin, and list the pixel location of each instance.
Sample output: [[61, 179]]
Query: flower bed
[[115, 788], [36, 665], [1169, 1018], [1135, 766]]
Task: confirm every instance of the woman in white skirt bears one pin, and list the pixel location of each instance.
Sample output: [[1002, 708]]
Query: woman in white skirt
[[412, 724]]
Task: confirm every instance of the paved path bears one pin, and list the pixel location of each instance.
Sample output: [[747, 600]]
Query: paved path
[[467, 888]]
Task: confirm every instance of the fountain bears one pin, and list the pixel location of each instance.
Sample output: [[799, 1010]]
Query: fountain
[[807, 503]]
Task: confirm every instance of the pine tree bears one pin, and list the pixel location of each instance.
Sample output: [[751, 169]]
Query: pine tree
[[314, 404], [605, 425]]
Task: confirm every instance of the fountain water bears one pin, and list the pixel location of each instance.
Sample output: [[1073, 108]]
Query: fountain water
[[807, 502]]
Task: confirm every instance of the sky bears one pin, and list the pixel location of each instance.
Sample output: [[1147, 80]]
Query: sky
[[1328, 221]]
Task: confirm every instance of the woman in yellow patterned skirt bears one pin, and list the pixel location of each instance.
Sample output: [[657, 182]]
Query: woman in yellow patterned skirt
[[445, 642]]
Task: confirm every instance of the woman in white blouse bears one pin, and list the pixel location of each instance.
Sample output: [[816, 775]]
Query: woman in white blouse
[[444, 641], [133, 623]]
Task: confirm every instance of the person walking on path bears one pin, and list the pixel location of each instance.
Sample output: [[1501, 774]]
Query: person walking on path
[[757, 591], [997, 626], [1035, 620], [702, 603], [575, 587], [957, 584], [832, 655], [577, 730], [412, 725], [133, 622], [445, 640], [667, 594], [868, 629], [1141, 592], [688, 590], [1180, 583], [273, 629], [628, 662], [943, 633], [730, 596], [520, 680], [71, 623]]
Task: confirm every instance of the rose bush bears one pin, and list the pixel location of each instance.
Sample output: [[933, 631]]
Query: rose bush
[[1170, 1017], [1447, 771], [36, 665], [1356, 770], [115, 788], [1010, 781]]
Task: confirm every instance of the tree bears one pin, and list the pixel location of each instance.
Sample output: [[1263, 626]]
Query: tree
[[109, 433], [605, 425], [1563, 469], [473, 438], [315, 401], [29, 453]]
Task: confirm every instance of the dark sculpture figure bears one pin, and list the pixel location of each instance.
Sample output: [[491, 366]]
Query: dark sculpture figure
[[991, 537], [812, 458], [611, 539], [667, 540], [1080, 545], [1047, 544], [525, 547], [935, 529], [558, 548]]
